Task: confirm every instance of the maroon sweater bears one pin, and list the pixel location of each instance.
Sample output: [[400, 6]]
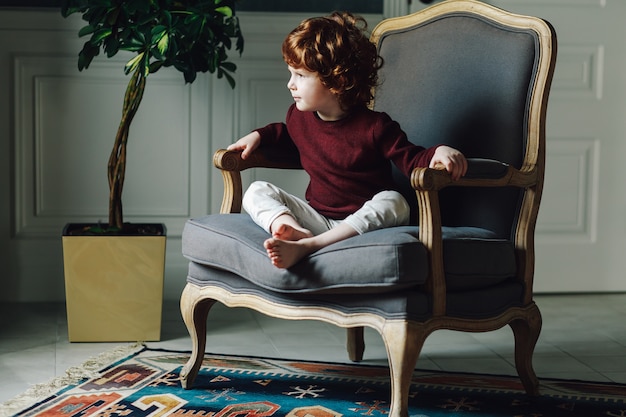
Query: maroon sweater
[[349, 160]]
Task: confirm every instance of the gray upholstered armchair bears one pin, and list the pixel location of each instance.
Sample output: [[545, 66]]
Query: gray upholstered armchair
[[461, 73]]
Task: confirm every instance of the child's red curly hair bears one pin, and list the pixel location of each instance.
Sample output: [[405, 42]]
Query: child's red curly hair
[[337, 48]]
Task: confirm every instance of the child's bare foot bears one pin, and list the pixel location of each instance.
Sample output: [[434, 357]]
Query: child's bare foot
[[287, 232], [285, 253]]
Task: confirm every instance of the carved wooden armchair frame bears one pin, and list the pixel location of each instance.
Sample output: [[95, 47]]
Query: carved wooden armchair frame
[[404, 338]]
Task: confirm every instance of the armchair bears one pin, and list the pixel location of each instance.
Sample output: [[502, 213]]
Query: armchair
[[462, 73]]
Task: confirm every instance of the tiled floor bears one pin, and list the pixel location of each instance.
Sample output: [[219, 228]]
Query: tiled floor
[[583, 337]]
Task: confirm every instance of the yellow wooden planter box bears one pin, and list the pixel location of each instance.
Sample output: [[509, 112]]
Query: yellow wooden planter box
[[114, 287]]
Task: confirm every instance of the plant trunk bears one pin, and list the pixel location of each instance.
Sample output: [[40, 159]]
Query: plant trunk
[[117, 160]]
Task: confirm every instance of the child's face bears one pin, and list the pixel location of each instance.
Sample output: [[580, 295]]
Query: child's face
[[311, 95]]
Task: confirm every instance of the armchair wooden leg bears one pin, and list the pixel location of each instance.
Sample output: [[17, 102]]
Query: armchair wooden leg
[[404, 342], [526, 332], [356, 343], [194, 312]]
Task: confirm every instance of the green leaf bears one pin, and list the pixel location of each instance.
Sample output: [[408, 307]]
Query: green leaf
[[229, 66], [155, 66], [168, 18], [225, 10], [86, 55], [157, 32], [131, 43], [173, 47], [163, 43], [194, 36], [230, 79], [190, 75], [240, 45], [161, 38], [111, 46], [83, 60], [131, 66], [100, 35], [87, 30], [113, 16]]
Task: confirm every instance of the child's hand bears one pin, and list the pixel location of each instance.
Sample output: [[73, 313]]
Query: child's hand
[[246, 144], [453, 160]]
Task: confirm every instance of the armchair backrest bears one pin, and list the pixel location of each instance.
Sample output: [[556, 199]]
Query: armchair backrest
[[476, 78]]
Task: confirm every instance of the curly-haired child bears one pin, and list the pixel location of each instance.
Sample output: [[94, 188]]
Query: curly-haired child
[[346, 148]]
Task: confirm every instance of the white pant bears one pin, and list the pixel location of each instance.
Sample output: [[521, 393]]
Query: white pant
[[264, 202]]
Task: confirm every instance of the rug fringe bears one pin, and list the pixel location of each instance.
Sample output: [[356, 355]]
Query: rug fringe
[[88, 369]]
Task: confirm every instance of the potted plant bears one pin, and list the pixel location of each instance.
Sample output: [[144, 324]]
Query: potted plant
[[192, 36]]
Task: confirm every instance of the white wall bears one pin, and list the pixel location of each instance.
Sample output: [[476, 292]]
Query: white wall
[[57, 126], [581, 232]]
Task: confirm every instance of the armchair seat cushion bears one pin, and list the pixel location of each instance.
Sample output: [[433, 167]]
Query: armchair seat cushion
[[233, 242], [380, 261]]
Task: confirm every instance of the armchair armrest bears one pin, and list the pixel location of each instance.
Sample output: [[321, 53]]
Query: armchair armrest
[[427, 183], [231, 164], [261, 158], [480, 173]]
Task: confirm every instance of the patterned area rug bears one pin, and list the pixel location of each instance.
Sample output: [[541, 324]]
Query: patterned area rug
[[146, 383]]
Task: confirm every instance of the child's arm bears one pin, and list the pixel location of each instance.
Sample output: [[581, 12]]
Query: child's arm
[[453, 160], [247, 144]]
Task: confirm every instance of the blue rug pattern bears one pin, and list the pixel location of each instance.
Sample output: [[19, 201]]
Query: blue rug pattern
[[146, 384]]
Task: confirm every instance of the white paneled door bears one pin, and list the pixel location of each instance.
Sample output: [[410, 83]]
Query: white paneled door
[[581, 235]]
